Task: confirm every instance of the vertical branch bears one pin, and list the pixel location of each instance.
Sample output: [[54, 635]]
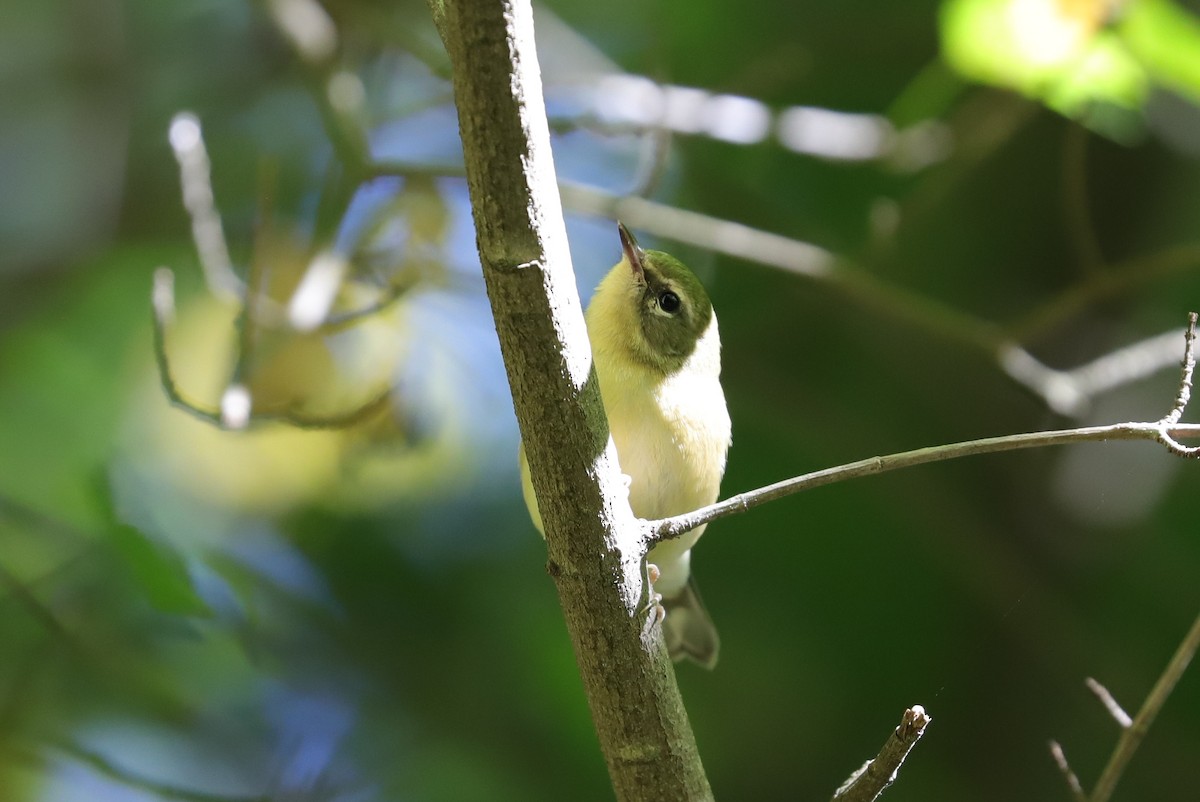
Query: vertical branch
[[594, 543]]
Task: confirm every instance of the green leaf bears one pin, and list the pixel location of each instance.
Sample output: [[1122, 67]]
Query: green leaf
[[1057, 53], [1166, 40], [160, 573]]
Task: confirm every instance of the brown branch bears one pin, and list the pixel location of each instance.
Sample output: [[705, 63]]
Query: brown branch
[[592, 538], [876, 775]]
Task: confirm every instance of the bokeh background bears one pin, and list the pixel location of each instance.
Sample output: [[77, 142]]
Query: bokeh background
[[361, 612]]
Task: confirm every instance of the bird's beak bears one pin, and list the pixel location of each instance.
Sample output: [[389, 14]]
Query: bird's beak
[[633, 251]]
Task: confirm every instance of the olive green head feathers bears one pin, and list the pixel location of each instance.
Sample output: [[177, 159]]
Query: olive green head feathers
[[652, 307]]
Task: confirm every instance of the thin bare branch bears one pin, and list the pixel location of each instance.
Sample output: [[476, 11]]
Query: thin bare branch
[[163, 305], [1110, 703], [713, 233], [876, 775], [195, 179], [668, 528], [388, 295], [1186, 370], [1072, 780], [163, 297], [1131, 737], [114, 771], [1183, 396]]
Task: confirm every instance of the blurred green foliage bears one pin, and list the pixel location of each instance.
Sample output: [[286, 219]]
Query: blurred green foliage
[[362, 613]]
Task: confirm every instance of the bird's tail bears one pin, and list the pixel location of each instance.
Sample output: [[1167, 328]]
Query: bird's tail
[[688, 629]]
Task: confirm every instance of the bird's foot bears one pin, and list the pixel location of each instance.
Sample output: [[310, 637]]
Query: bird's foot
[[654, 606]]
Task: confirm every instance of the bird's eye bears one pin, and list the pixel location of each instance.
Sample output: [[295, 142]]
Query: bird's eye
[[668, 302]]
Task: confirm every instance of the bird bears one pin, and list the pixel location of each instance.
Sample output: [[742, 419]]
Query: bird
[[657, 355]]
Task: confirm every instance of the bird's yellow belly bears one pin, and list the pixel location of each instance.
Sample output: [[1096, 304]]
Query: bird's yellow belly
[[674, 454]]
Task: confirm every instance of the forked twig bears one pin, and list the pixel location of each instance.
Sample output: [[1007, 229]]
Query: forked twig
[[1135, 729], [1131, 737], [163, 303], [1133, 734], [1183, 397]]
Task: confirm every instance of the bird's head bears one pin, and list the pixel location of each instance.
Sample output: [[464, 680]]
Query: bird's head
[[651, 309]]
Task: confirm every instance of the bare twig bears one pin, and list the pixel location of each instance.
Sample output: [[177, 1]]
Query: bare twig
[[1184, 395], [237, 402], [1131, 737], [388, 295], [1110, 703], [668, 528], [114, 771], [163, 305], [712, 233], [235, 410], [195, 178], [208, 234], [1072, 780], [1185, 380], [876, 775]]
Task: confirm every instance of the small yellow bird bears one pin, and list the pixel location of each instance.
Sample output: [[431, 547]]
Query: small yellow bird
[[658, 359]]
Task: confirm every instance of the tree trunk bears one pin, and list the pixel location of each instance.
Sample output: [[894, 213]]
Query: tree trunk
[[596, 547]]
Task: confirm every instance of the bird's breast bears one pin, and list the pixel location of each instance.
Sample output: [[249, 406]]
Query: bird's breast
[[671, 439]]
